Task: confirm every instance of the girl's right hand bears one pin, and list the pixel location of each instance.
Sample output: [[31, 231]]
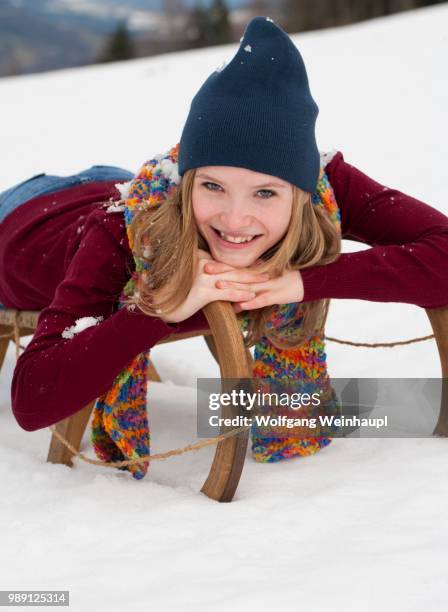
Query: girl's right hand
[[204, 291]]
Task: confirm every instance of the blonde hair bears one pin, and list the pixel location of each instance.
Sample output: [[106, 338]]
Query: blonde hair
[[167, 237]]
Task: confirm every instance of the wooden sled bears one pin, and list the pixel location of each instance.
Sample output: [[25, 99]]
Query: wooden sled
[[225, 342]]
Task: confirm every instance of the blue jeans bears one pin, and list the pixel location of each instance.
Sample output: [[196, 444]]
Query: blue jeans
[[41, 184]]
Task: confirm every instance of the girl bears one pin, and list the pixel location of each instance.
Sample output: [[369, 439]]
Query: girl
[[243, 209]]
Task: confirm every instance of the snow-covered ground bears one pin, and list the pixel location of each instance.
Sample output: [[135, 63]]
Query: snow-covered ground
[[359, 526]]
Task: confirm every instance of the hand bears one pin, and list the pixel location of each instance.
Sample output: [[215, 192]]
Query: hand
[[285, 289], [204, 289]]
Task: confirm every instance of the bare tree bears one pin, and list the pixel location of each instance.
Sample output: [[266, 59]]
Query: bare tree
[[262, 8], [300, 15]]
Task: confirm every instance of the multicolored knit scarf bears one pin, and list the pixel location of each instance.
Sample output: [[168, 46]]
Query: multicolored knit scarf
[[120, 427]]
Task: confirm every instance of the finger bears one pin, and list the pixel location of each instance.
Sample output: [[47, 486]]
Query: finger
[[243, 276], [217, 267], [254, 287], [235, 295], [258, 301]]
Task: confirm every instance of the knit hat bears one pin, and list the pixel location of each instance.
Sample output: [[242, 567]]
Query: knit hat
[[257, 112]]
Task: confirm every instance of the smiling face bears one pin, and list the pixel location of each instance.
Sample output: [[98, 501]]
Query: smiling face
[[235, 204]]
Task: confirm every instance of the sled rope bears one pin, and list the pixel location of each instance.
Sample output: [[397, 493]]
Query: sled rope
[[176, 451], [380, 344]]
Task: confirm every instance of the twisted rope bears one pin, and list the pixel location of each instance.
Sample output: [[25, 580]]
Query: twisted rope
[[380, 344], [176, 451]]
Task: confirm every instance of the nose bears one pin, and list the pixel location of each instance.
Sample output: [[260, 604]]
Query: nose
[[235, 216]]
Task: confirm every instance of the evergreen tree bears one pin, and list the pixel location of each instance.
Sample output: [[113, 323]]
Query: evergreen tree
[[119, 46], [199, 26], [220, 29], [210, 26]]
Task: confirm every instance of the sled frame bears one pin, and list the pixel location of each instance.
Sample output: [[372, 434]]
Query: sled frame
[[225, 342]]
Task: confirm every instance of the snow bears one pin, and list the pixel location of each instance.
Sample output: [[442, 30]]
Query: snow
[[327, 156], [124, 188], [360, 525], [113, 208], [169, 170], [80, 325]]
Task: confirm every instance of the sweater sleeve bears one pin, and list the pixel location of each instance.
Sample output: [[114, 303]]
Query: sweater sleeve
[[57, 375], [408, 261]]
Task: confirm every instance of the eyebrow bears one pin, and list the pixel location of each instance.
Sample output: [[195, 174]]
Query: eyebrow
[[210, 178]]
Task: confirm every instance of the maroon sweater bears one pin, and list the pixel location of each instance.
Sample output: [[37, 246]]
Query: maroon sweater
[[65, 255]]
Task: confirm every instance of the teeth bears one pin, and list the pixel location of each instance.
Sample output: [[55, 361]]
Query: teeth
[[236, 239]]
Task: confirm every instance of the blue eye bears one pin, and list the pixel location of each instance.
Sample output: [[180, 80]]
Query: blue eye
[[267, 191], [210, 186], [207, 183]]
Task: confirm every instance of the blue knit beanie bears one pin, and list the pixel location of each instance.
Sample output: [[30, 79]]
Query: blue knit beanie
[[257, 112]]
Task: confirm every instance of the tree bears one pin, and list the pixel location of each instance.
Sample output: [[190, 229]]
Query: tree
[[198, 27], [210, 26], [220, 30], [173, 9], [119, 46], [301, 15]]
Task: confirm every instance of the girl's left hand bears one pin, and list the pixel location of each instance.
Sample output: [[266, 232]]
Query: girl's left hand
[[285, 289]]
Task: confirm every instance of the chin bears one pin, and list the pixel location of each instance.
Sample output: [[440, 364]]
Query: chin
[[237, 260]]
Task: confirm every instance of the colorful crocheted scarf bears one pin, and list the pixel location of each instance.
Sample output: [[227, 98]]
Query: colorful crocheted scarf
[[120, 428]]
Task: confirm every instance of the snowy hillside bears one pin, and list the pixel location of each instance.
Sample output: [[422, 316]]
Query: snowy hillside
[[318, 533]]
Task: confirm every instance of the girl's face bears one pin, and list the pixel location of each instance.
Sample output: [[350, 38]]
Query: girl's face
[[231, 204]]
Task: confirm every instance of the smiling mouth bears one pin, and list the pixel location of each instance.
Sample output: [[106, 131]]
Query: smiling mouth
[[235, 239]]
